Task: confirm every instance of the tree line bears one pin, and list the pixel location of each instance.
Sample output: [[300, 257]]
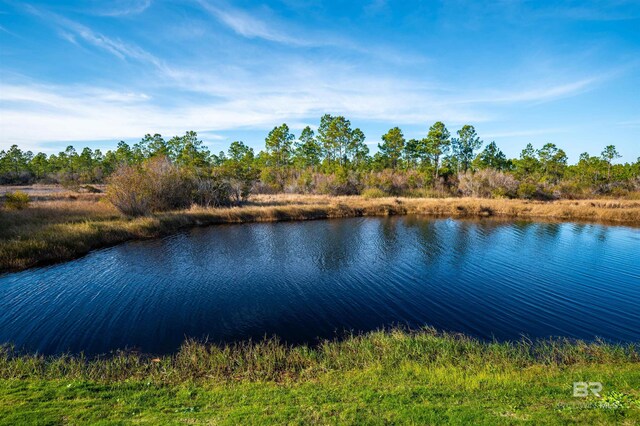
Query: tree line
[[335, 159]]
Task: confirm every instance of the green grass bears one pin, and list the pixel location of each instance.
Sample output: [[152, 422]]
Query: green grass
[[379, 378]]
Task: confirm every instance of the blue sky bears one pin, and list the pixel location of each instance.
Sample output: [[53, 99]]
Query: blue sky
[[91, 72]]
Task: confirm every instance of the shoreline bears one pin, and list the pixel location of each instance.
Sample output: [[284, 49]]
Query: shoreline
[[67, 227], [411, 377]]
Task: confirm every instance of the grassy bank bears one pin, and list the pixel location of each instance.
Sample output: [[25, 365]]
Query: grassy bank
[[382, 377], [59, 227]]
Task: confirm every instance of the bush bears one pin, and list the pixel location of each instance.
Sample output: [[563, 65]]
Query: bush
[[17, 200], [304, 183], [572, 190], [388, 181], [325, 183], [259, 187], [487, 183], [212, 191], [415, 180], [155, 186], [239, 189], [16, 178], [129, 191], [527, 190], [374, 193], [339, 183]]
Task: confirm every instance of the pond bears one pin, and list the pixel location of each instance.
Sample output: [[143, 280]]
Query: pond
[[308, 280]]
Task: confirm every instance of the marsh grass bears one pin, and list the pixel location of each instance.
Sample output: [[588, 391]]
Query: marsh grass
[[385, 377], [272, 360], [64, 226], [17, 200]]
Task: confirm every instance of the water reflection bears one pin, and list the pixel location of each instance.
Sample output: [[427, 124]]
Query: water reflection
[[309, 280]]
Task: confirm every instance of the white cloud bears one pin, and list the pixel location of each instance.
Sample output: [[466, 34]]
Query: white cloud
[[73, 32], [255, 26], [122, 7], [543, 93], [248, 25], [31, 114], [254, 95]]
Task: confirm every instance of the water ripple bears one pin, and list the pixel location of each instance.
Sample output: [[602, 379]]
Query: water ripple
[[309, 280]]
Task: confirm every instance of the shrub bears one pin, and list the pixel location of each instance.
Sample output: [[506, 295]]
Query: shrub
[[16, 178], [17, 200], [349, 182], [373, 193], [129, 191], [527, 190], [271, 179], [68, 180], [487, 183], [547, 192], [155, 186], [415, 180], [212, 191], [324, 183], [259, 187], [239, 189], [394, 183], [304, 182], [339, 183], [572, 190]]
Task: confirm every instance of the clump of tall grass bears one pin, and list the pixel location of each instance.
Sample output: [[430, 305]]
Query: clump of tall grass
[[271, 360], [17, 200], [373, 193]]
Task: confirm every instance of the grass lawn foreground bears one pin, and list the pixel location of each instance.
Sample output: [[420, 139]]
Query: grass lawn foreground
[[385, 377]]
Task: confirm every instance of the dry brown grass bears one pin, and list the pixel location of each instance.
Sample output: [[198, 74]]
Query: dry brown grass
[[47, 191], [63, 226]]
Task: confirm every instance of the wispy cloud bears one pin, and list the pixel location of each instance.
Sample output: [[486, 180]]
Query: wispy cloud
[[248, 25], [254, 26], [73, 31], [31, 113], [7, 31], [541, 93], [122, 7]]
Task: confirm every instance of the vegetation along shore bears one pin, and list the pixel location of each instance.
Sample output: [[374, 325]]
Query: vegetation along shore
[[382, 377], [61, 226]]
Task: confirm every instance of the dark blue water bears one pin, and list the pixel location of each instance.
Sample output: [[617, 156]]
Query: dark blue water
[[308, 280]]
